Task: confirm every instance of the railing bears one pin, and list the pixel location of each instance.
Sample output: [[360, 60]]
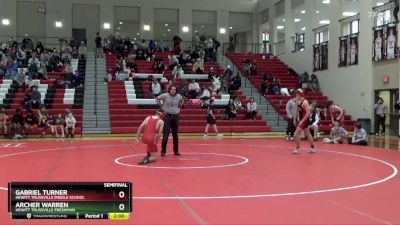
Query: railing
[[48, 42], [279, 48], [261, 48]]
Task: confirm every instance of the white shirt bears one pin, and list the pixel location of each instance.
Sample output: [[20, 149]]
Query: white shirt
[[156, 88], [194, 86], [252, 106], [70, 121]]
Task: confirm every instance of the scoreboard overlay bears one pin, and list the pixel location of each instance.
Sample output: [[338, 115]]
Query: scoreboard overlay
[[70, 200]]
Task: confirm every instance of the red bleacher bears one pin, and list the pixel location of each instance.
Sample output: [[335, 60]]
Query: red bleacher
[[279, 70], [126, 118]]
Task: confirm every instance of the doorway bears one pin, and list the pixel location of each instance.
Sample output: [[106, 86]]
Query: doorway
[[390, 97], [79, 35]]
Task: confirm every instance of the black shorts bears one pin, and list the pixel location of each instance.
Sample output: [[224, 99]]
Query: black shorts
[[210, 120]]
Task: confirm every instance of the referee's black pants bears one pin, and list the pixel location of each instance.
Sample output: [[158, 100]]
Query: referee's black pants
[[171, 122]]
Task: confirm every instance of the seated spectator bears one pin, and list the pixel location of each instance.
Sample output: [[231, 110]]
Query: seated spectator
[[51, 122], [304, 80], [70, 122], [31, 122], [108, 78], [140, 54], [205, 94], [217, 84], [314, 121], [211, 74], [33, 71], [21, 58], [314, 84], [43, 121], [155, 88], [20, 81], [238, 104], [359, 135], [131, 62], [228, 72], [230, 110], [3, 121], [42, 72], [60, 124], [235, 84], [36, 99], [11, 70], [33, 60], [337, 136], [265, 88], [194, 89], [198, 67], [66, 57], [251, 109], [177, 72], [17, 124], [76, 79], [184, 89], [159, 66], [276, 86]]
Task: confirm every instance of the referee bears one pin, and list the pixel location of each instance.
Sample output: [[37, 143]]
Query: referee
[[171, 104]]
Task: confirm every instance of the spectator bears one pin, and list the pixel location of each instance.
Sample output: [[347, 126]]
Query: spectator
[[43, 120], [33, 71], [359, 135], [108, 78], [205, 95], [12, 70], [211, 74], [33, 60], [304, 80], [380, 115], [51, 122], [31, 122], [131, 62], [337, 136], [198, 67], [36, 99], [236, 83], [82, 50], [159, 66], [230, 110], [70, 122], [291, 112], [314, 120], [76, 79], [17, 124], [155, 88], [99, 47], [177, 72], [238, 104], [177, 40], [265, 88], [217, 84], [60, 124], [184, 89], [276, 86], [3, 121], [42, 72], [66, 57], [268, 77], [251, 109], [194, 89], [228, 72], [314, 83], [167, 86]]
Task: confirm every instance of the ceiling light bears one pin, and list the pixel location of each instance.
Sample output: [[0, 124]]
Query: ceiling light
[[121, 23], [202, 26], [118, 28], [379, 3], [166, 24], [303, 11], [230, 28], [106, 26], [280, 27], [185, 29], [326, 1], [324, 22], [303, 29], [297, 20], [5, 22], [58, 24], [317, 12], [284, 20], [146, 27], [222, 30], [137, 34], [349, 13]]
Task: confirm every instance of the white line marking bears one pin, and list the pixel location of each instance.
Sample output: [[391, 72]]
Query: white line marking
[[245, 160], [395, 172]]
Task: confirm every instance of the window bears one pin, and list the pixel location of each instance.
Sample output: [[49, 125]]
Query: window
[[265, 36], [383, 18], [354, 27], [321, 35], [298, 42]]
